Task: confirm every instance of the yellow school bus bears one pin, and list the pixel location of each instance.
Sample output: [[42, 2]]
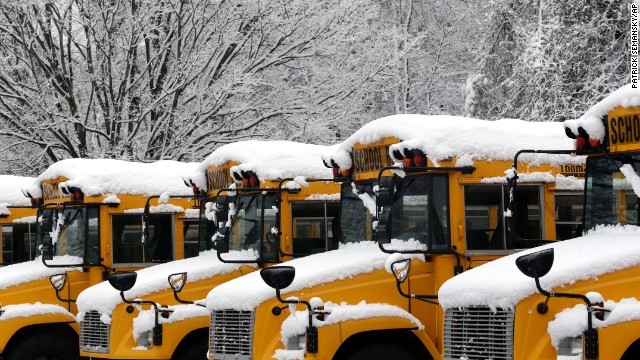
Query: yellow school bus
[[17, 221], [574, 299], [432, 187], [90, 224], [267, 202]]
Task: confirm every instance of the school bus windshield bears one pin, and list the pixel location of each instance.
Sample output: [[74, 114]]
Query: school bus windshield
[[76, 232], [420, 211], [609, 197], [356, 220], [252, 224]]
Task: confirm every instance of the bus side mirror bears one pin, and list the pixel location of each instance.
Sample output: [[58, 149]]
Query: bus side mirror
[[221, 242], [401, 269], [123, 281], [383, 228], [58, 281], [178, 281], [221, 201], [47, 247], [278, 277], [386, 191], [537, 264]]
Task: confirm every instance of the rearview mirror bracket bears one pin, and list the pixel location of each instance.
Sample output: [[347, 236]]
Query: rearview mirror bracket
[[269, 275], [538, 264]]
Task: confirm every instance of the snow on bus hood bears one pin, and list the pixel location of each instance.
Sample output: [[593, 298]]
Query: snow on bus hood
[[591, 121], [103, 176], [270, 160], [17, 274], [11, 191], [443, 136], [500, 284], [247, 292], [104, 298]]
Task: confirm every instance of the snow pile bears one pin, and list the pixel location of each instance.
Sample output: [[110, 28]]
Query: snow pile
[[103, 176], [500, 284], [27, 310], [111, 199], [11, 190], [591, 121], [348, 261], [145, 321], [441, 137], [532, 177], [192, 213], [569, 183], [159, 209], [269, 160], [323, 197], [16, 274], [26, 220], [296, 324], [103, 298], [572, 322]]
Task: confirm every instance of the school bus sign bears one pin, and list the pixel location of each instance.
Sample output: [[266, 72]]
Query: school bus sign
[[368, 160], [624, 129], [218, 178]]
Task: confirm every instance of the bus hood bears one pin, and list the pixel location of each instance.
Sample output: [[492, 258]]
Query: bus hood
[[499, 283], [247, 292], [18, 274], [104, 298]]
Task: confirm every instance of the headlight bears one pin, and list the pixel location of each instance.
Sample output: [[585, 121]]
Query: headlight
[[146, 339], [297, 342], [570, 346]]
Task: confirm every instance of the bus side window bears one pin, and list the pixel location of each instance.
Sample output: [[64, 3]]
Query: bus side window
[[127, 239], [18, 243], [483, 217], [485, 222], [568, 214], [313, 226], [191, 238]]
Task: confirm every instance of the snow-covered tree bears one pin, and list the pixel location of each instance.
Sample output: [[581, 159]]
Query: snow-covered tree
[[148, 80], [547, 60]]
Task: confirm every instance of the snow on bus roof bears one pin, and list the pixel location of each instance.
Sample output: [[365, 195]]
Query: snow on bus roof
[[103, 176], [11, 190], [499, 283], [591, 121], [270, 160], [443, 136]]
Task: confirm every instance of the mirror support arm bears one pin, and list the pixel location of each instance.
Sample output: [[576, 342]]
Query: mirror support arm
[[591, 335], [188, 302], [312, 331], [64, 300], [425, 298], [157, 328]]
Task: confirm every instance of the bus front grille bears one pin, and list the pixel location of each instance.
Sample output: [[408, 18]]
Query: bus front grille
[[231, 335], [476, 333], [94, 334]]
